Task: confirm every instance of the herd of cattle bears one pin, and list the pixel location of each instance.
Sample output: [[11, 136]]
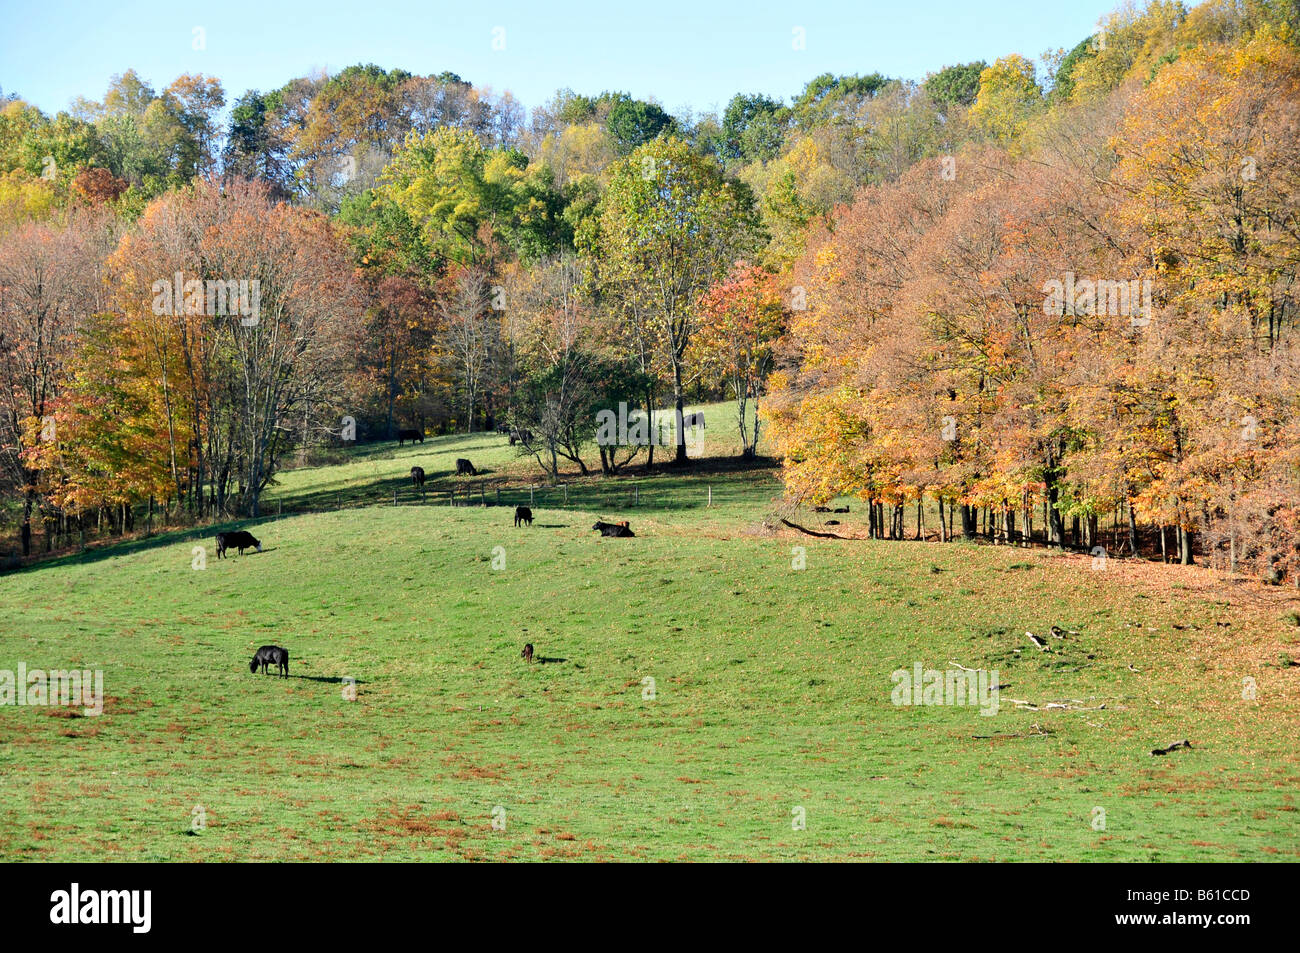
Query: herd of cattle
[[240, 540], [516, 435], [463, 468]]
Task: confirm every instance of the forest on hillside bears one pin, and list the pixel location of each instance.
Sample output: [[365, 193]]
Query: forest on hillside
[[1042, 292]]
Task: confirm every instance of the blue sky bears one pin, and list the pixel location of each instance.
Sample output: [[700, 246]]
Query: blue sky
[[678, 52]]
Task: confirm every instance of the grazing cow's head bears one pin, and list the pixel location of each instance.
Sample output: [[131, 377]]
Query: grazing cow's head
[[252, 666]]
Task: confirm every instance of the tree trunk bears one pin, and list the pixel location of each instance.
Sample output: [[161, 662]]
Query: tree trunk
[[650, 427], [967, 521], [679, 401]]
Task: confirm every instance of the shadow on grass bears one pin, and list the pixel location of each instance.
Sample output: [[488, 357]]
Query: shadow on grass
[[665, 488], [249, 552], [98, 551], [328, 679]]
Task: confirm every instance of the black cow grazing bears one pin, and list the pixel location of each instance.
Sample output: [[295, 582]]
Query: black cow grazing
[[465, 468], [613, 529], [417, 476], [520, 436], [269, 655], [527, 653], [693, 420], [503, 428], [841, 509], [239, 539], [523, 515], [411, 435]]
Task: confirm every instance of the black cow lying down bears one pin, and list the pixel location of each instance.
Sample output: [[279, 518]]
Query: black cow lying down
[[613, 529], [465, 468], [523, 515], [239, 539], [269, 655]]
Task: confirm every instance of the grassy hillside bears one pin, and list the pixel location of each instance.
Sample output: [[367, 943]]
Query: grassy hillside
[[370, 473], [772, 691]]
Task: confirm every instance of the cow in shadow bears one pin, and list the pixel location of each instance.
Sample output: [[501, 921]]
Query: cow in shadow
[[417, 477], [411, 435], [465, 468]]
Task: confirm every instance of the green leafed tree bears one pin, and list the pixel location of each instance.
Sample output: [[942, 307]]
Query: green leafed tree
[[955, 86], [670, 226], [633, 123]]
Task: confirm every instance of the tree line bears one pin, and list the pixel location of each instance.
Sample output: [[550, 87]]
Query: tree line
[[904, 275], [1088, 315]]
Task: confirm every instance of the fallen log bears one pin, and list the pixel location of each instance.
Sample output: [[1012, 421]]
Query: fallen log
[[811, 532]]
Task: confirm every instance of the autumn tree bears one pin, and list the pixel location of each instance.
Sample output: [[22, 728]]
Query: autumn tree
[[741, 319]]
